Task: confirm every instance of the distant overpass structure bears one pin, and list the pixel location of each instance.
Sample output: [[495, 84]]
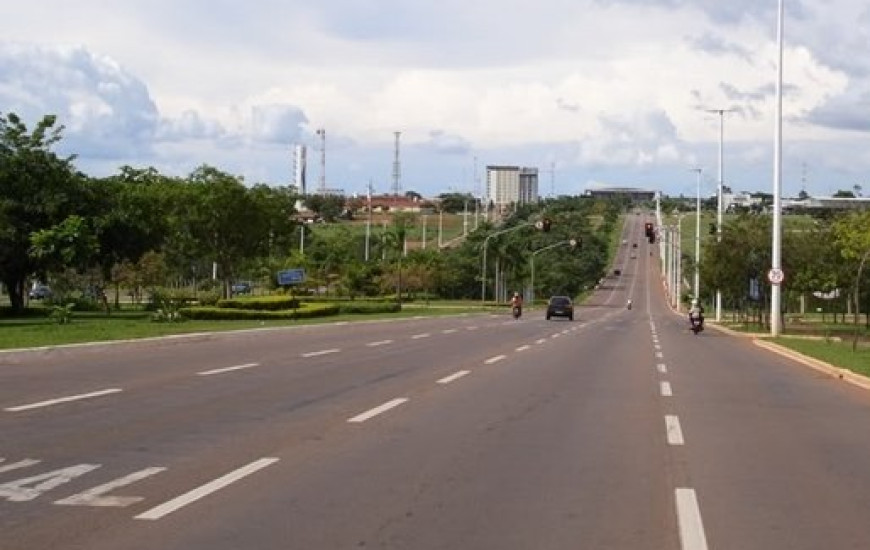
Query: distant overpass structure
[[636, 194]]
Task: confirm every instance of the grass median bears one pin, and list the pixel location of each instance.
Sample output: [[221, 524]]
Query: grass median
[[837, 353], [32, 332]]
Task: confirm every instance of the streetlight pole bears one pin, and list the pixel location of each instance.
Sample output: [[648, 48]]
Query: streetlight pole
[[571, 242], [698, 237], [485, 244], [721, 193], [776, 252]]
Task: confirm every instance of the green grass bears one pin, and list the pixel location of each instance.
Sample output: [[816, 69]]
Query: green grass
[[839, 354], [91, 327]]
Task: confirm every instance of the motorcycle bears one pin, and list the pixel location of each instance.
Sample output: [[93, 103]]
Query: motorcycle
[[517, 312], [628, 305], [696, 325]]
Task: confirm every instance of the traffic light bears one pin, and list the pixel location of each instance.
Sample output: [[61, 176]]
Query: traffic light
[[545, 224]]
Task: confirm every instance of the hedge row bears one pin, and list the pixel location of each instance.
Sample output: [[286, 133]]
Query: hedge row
[[260, 303], [226, 314], [368, 307]]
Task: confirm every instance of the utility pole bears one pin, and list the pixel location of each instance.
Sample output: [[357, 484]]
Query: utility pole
[[720, 193], [776, 248]]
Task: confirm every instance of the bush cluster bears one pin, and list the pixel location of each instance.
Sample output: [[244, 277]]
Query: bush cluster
[[226, 314], [260, 303]]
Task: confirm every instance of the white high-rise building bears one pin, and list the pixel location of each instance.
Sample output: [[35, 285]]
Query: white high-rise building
[[507, 185], [299, 169]]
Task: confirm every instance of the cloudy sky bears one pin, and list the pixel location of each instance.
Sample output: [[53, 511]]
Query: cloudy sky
[[592, 92]]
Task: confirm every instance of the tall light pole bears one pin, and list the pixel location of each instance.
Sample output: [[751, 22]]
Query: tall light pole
[[698, 236], [776, 252], [571, 242], [721, 194], [485, 244]]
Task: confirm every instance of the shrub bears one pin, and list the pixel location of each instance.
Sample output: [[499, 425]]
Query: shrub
[[62, 315], [227, 314], [369, 307], [260, 303]]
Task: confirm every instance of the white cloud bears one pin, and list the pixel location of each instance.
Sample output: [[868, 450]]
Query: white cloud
[[610, 88]]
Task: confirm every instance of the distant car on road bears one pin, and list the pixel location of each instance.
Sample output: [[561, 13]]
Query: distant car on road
[[39, 292], [241, 288], [560, 306]]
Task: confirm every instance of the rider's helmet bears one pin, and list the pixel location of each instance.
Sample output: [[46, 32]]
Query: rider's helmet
[[516, 294], [694, 302]]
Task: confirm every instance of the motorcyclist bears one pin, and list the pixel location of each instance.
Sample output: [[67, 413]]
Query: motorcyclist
[[517, 303], [696, 313], [628, 304]]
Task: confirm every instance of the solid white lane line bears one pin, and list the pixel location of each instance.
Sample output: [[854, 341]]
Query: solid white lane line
[[454, 377], [378, 410], [381, 343], [495, 359], [418, 336], [205, 490], [541, 341], [692, 535], [675, 433], [319, 353], [60, 400], [662, 368], [228, 369], [667, 391], [449, 331], [523, 348]]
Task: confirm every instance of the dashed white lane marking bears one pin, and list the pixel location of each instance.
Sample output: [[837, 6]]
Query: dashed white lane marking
[[554, 336], [541, 341], [659, 355], [471, 328], [454, 377], [667, 391], [228, 369], [418, 336], [205, 490], [60, 400], [495, 359], [566, 331], [675, 433], [448, 331], [97, 496], [380, 343], [16, 465], [523, 348], [319, 353], [378, 410], [662, 368], [692, 535], [658, 346]]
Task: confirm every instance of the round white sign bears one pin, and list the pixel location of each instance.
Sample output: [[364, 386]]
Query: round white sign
[[775, 276]]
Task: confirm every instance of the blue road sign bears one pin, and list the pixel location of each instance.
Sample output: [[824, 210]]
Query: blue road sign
[[291, 277]]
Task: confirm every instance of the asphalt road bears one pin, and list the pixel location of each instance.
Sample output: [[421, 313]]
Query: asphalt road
[[620, 430]]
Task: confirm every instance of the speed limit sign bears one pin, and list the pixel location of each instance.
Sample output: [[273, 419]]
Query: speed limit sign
[[776, 276]]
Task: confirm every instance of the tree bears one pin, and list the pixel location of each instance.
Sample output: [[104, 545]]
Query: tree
[[328, 207], [38, 190], [854, 239], [223, 221]]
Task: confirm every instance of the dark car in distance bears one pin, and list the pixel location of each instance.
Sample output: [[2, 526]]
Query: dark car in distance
[[560, 306]]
